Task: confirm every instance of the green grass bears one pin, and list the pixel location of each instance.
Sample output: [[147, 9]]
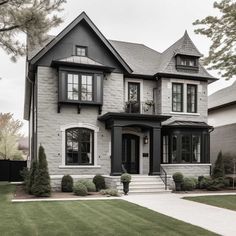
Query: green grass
[[223, 201], [86, 218]]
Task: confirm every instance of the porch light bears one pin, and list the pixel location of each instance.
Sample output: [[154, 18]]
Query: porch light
[[145, 140]]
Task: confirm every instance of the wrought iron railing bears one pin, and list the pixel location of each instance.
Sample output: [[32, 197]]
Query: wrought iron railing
[[164, 177], [139, 107]]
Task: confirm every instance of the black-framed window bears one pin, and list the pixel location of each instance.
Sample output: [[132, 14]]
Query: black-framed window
[[133, 104], [187, 63], [165, 157], [86, 87], [72, 86], [182, 147], [177, 97], [191, 98], [81, 51], [80, 87], [79, 146]]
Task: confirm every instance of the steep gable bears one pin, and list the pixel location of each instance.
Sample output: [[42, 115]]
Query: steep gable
[[82, 31]]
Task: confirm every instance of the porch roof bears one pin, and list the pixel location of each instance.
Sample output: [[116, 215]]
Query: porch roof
[[127, 119], [188, 124]]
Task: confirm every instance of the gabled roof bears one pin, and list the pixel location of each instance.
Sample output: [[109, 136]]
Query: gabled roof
[[222, 97], [55, 40]]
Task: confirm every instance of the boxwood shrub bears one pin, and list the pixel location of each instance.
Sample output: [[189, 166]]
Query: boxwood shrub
[[89, 184], [99, 182], [80, 189], [188, 184], [67, 183]]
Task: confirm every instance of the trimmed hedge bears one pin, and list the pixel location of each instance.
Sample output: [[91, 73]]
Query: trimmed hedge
[[67, 183], [188, 184], [80, 189], [99, 182], [89, 184]]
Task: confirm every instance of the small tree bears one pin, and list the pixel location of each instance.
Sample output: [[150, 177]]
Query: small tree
[[218, 170], [41, 186]]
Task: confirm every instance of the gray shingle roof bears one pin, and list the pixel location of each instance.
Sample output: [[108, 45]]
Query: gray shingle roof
[[141, 59], [194, 124], [222, 97], [146, 61]]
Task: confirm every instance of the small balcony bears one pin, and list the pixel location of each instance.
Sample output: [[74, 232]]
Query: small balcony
[[146, 107]]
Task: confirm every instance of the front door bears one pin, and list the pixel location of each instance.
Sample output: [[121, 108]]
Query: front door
[[130, 153]]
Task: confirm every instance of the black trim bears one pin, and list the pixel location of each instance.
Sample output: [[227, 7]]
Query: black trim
[[82, 47], [79, 151], [182, 97], [195, 98]]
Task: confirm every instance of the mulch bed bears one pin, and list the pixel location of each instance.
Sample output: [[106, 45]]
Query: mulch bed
[[21, 194]]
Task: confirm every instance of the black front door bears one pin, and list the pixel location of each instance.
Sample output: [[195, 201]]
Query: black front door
[[130, 153]]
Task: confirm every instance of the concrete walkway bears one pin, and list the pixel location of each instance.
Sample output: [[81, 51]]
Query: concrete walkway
[[215, 219]]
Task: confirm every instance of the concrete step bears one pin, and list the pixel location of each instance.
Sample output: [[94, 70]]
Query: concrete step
[[144, 184], [148, 191]]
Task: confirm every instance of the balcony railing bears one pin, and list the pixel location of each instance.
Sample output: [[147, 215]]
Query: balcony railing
[[139, 107]]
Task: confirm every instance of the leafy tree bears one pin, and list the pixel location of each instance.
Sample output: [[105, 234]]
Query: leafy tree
[[31, 17], [41, 186], [221, 31], [9, 136], [218, 170]]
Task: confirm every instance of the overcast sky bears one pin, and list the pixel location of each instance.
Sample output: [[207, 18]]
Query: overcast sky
[[155, 23]]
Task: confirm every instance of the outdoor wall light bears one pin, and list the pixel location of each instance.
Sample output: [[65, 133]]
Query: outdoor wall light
[[145, 140]]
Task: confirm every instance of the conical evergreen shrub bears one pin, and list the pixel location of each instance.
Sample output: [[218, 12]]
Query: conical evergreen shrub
[[218, 170], [33, 169], [41, 186]]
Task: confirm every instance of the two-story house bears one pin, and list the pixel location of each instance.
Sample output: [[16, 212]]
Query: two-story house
[[102, 106]]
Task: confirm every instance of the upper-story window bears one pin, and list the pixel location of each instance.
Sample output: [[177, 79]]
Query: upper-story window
[[79, 87], [184, 97], [191, 98], [177, 97], [186, 62], [81, 51], [133, 103]]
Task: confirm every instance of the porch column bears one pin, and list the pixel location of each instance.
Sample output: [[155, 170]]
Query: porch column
[[116, 150], [155, 151]]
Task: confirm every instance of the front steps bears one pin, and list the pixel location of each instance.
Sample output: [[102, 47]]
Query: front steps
[[144, 184]]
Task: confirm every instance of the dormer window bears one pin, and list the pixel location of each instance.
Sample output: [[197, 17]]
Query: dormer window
[[186, 63], [81, 51]]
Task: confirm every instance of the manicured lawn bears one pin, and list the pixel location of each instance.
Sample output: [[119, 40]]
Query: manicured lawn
[[224, 201], [86, 218]]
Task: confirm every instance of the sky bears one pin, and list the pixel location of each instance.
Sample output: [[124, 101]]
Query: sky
[[155, 23]]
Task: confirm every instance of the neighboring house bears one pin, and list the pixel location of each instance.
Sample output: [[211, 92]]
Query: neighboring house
[[222, 115], [102, 106]]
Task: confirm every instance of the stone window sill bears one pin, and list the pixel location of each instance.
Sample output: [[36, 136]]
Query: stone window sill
[[79, 167]]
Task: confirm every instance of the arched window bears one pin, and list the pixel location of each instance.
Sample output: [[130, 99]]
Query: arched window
[[79, 144]]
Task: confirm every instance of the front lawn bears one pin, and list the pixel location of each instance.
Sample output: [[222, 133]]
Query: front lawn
[[224, 201], [86, 218]]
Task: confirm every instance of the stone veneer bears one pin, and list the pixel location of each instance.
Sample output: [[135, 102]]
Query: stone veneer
[[188, 170]]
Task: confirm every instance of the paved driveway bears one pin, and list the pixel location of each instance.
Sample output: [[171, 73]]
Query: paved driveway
[[215, 219]]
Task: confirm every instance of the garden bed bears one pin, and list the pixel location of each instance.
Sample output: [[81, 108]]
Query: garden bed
[[229, 190], [20, 194]]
